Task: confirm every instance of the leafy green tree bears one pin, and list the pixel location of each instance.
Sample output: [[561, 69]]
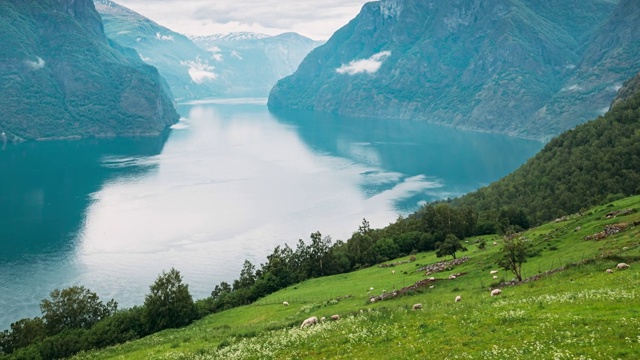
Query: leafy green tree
[[247, 276], [449, 246], [74, 308], [514, 253], [22, 333], [169, 303]]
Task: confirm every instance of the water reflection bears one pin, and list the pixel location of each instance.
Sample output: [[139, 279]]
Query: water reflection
[[45, 189]]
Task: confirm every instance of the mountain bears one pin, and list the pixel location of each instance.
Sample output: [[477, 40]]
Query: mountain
[[259, 60], [222, 65], [62, 78], [595, 162], [517, 67]]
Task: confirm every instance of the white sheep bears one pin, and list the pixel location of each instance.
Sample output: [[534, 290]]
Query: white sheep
[[458, 298], [609, 271], [417, 307], [370, 289], [622, 266], [373, 299], [496, 292], [310, 321], [285, 303], [432, 279], [493, 272], [335, 317], [452, 277], [432, 286], [495, 277]]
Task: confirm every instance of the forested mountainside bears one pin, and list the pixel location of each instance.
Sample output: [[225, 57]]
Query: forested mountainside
[[519, 67], [595, 162], [201, 67], [62, 78]]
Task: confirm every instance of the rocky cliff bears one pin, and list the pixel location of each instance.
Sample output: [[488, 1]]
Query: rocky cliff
[[62, 78], [499, 66]]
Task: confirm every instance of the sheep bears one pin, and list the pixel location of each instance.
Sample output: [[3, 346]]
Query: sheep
[[452, 277], [285, 303], [496, 292], [309, 322], [335, 317], [370, 289], [417, 307], [493, 272], [458, 298], [609, 271], [432, 279], [373, 299], [622, 266], [495, 277], [432, 286]]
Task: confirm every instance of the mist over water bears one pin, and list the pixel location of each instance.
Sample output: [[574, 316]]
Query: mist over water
[[230, 182]]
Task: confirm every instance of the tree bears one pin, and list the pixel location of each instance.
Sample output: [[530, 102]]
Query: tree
[[23, 333], [169, 304], [74, 308], [449, 246], [514, 253]]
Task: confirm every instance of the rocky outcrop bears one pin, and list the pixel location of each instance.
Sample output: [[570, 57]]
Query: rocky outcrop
[[62, 78]]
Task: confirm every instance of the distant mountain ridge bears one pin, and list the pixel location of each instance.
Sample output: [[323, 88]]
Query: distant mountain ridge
[[241, 64], [62, 78], [519, 67]]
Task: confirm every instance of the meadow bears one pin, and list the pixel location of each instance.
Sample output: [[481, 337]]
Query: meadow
[[568, 307]]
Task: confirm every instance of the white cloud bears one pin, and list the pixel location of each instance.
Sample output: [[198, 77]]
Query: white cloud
[[217, 53], [315, 19], [35, 65], [164, 37], [370, 65], [574, 87], [199, 71]]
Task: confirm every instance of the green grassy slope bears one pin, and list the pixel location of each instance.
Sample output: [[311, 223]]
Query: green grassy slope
[[577, 312]]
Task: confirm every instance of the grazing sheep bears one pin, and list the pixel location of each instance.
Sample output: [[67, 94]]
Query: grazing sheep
[[495, 277], [493, 272], [285, 303], [370, 289], [432, 279], [335, 317], [458, 298], [452, 277], [609, 271], [496, 292], [622, 266], [417, 307], [310, 321]]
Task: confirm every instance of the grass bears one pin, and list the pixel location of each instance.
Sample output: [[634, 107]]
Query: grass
[[580, 312]]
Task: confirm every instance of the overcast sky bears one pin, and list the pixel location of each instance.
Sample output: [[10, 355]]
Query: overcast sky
[[315, 19]]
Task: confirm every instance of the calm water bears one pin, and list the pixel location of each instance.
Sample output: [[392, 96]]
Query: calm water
[[228, 183]]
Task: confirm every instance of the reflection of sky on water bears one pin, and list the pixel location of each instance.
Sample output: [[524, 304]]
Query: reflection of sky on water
[[232, 182]]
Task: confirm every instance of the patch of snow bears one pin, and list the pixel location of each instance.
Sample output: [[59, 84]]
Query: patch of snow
[[164, 37]]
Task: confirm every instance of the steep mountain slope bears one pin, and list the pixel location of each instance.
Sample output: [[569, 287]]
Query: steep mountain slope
[[223, 65], [485, 66], [259, 60], [61, 78], [596, 161]]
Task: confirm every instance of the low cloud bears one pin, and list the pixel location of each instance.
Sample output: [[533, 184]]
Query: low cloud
[[199, 71], [369, 66], [35, 65], [217, 53], [164, 37], [236, 55]]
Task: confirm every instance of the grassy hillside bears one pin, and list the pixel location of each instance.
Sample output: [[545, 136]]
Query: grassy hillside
[[577, 310]]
